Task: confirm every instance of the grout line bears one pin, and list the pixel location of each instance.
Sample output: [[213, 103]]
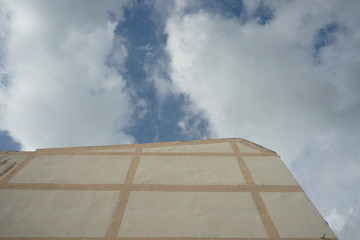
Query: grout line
[[85, 153], [150, 187], [192, 238], [208, 154], [243, 167], [216, 238], [253, 146], [10, 166], [258, 201], [51, 238], [278, 188], [189, 188], [17, 168], [152, 238], [143, 145], [133, 166], [265, 216], [262, 154], [16, 153], [114, 227], [61, 186]]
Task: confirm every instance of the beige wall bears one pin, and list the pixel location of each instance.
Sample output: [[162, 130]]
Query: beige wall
[[221, 188]]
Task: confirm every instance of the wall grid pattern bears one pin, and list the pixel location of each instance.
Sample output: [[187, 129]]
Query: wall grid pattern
[[195, 190]]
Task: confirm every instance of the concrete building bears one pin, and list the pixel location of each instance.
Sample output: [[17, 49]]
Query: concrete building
[[221, 188]]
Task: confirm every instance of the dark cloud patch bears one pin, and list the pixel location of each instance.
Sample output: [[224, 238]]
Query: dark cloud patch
[[324, 37], [4, 80], [263, 14]]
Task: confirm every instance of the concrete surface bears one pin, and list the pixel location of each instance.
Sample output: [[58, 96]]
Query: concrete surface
[[8, 162], [33, 213], [191, 214], [42, 211], [193, 170], [295, 216], [245, 149], [269, 170], [212, 147], [74, 169]]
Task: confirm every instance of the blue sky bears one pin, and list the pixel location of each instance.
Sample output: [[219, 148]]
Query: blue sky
[[283, 74], [145, 41]]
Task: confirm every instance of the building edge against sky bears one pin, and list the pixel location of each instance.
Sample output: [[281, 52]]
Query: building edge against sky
[[219, 188]]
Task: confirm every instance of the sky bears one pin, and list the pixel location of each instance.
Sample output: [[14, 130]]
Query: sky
[[283, 74]]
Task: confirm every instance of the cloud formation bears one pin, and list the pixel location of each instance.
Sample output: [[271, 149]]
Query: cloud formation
[[59, 90], [283, 74], [288, 82]]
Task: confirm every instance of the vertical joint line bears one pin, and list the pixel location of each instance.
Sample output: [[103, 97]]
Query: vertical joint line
[[119, 211], [255, 194], [133, 166], [241, 162]]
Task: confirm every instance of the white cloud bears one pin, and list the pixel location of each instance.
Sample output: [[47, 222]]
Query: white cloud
[[156, 74], [351, 228], [142, 108], [336, 220], [62, 93], [263, 83], [251, 5]]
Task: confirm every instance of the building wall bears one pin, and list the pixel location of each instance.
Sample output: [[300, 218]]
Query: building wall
[[221, 188]]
